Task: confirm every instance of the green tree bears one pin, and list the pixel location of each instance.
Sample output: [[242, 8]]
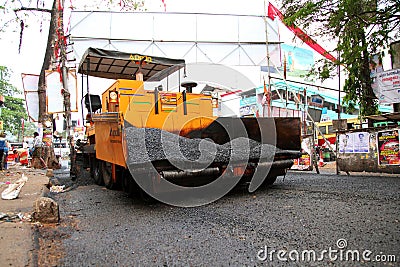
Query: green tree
[[361, 29], [12, 115], [14, 110], [29, 129], [6, 88]]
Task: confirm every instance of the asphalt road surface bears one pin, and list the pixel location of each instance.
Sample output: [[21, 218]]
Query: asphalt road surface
[[305, 220]]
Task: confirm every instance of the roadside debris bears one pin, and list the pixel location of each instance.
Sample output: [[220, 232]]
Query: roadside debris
[[14, 217], [57, 188], [45, 210], [12, 191], [49, 173]]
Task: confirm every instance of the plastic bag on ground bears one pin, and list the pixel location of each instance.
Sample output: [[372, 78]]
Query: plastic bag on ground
[[12, 191]]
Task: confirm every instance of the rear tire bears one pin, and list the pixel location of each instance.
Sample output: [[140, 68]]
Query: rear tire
[[106, 168], [91, 163], [149, 185], [146, 197], [97, 171], [128, 184]]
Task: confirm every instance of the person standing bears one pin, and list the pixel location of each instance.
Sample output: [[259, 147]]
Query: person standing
[[5, 156], [37, 143], [3, 145]]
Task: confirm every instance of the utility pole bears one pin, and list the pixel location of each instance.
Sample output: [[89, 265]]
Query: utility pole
[[268, 61], [62, 43], [339, 110]]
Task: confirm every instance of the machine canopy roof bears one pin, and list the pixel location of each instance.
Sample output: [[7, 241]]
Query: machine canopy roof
[[120, 65]]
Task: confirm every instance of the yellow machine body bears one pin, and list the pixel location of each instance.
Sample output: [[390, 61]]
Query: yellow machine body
[[126, 101]]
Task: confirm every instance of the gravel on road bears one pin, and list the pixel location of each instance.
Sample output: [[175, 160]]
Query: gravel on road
[[303, 212]]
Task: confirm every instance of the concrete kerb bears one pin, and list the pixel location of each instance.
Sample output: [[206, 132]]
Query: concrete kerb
[[17, 239]]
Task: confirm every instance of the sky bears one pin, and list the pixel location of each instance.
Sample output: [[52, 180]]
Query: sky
[[30, 58]]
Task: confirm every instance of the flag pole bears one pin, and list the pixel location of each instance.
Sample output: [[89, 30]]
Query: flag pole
[[268, 58]]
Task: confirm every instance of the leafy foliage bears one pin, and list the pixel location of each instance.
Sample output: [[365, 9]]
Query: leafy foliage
[[14, 110], [124, 5], [6, 88], [12, 114], [361, 29]]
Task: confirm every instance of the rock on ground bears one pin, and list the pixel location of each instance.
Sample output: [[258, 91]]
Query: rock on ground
[[45, 210]]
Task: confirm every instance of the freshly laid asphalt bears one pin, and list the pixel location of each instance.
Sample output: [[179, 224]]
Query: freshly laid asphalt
[[303, 212]]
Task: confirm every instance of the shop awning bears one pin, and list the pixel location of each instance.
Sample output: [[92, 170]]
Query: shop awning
[[395, 116]]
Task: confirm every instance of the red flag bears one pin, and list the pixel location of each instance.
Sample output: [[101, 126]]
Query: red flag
[[273, 12]]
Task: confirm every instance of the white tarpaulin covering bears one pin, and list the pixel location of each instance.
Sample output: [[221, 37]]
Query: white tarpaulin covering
[[234, 40], [387, 86], [30, 84], [55, 100]]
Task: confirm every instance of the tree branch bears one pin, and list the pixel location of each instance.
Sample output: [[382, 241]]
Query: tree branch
[[38, 9], [6, 24]]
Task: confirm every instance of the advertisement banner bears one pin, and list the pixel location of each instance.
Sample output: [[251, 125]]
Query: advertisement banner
[[388, 147], [299, 61], [47, 136], [248, 110], [354, 142], [387, 86]]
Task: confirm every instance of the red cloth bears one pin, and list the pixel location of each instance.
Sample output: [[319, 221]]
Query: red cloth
[[273, 12], [165, 6]]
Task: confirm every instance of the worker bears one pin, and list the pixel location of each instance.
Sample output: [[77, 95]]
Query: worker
[[6, 148], [37, 143], [2, 148]]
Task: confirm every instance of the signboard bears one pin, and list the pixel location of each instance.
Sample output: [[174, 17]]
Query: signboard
[[248, 110], [354, 142], [299, 61], [388, 147], [387, 86], [316, 101]]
